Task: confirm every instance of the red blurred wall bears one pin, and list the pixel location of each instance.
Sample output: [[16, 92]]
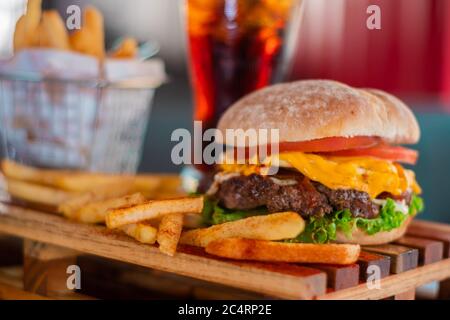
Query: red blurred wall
[[409, 56]]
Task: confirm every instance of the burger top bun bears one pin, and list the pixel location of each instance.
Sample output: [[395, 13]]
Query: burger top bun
[[314, 109]]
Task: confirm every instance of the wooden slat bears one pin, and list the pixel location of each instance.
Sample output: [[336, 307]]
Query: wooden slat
[[110, 279], [340, 277], [429, 250], [11, 287], [444, 290], [32, 205], [402, 258], [12, 275], [396, 283], [367, 259], [45, 269], [214, 293], [10, 250], [407, 295], [278, 280], [431, 230], [8, 292]]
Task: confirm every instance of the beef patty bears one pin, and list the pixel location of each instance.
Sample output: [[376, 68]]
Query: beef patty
[[280, 193]]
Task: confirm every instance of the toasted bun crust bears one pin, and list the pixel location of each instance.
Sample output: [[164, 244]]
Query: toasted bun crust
[[314, 109], [362, 238]]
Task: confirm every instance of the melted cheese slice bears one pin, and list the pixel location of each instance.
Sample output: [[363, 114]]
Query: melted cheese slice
[[367, 174]]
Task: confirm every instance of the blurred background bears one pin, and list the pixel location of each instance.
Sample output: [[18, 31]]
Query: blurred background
[[409, 56]]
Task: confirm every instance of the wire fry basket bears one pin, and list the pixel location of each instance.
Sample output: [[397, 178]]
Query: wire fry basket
[[73, 124]]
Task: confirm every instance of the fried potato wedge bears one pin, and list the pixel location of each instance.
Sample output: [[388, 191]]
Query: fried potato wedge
[[53, 31], [20, 39], [26, 33], [143, 232], [36, 193], [127, 49], [260, 250], [152, 210], [96, 212], [276, 226], [169, 232], [34, 12], [90, 39], [100, 193]]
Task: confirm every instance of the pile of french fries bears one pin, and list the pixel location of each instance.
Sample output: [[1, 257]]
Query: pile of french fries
[[87, 197], [122, 203], [46, 29]]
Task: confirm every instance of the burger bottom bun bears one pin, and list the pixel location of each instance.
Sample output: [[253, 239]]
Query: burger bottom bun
[[362, 238]]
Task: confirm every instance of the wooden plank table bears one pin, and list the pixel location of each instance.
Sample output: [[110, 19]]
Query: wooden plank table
[[277, 280]]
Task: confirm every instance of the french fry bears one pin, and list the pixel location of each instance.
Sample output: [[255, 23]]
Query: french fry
[[170, 187], [276, 226], [61, 179], [84, 182], [152, 210], [100, 193], [128, 48], [96, 212], [26, 33], [261, 250], [169, 232], [148, 185], [53, 32], [17, 171], [36, 193], [159, 186], [90, 39], [143, 232]]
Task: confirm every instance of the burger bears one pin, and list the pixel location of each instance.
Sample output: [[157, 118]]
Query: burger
[[340, 163]]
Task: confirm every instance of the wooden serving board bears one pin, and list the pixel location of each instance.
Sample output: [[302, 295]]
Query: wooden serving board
[[411, 263]]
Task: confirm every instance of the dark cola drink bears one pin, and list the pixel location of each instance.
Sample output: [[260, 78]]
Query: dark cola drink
[[235, 47]]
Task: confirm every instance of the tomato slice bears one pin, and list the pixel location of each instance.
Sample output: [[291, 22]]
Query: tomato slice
[[392, 153], [322, 145], [330, 144]]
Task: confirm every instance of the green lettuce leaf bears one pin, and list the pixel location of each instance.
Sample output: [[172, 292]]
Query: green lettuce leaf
[[208, 210], [213, 213], [416, 205], [323, 230]]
